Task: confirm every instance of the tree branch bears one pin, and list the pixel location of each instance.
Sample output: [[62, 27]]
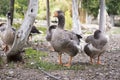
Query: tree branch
[[56, 78], [22, 34]]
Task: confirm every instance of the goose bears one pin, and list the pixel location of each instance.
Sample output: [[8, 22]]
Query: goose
[[7, 33], [33, 30], [50, 31], [96, 45], [63, 41]]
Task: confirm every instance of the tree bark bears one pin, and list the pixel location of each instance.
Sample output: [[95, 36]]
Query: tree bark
[[102, 20], [76, 22], [112, 20], [12, 9], [48, 13], [22, 34]]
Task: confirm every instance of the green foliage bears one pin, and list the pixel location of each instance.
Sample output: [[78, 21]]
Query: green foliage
[[91, 6], [4, 7], [113, 7], [20, 8], [68, 20], [54, 5]]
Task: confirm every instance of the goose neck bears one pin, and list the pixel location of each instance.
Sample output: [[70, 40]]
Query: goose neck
[[8, 23], [61, 21]]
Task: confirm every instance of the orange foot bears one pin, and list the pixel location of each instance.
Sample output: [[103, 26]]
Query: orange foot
[[91, 60], [67, 65], [60, 63], [98, 62]]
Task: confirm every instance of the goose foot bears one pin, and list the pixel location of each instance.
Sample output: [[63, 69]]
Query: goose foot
[[69, 63], [98, 61], [60, 60], [91, 60]]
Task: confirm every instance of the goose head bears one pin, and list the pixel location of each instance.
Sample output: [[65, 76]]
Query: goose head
[[8, 15], [97, 34], [61, 18]]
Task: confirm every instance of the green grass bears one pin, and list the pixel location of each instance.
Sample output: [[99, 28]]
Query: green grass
[[1, 61], [34, 61], [16, 25], [116, 30], [43, 29]]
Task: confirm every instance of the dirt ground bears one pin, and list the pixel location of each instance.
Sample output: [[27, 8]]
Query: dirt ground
[[109, 70]]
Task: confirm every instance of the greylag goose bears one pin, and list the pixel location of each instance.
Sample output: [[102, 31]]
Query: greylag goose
[[50, 31], [63, 40], [96, 45], [7, 33], [33, 30]]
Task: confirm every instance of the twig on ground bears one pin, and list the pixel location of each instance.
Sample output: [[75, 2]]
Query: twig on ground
[[52, 76]]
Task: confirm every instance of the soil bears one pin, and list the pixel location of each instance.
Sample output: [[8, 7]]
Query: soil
[[109, 70]]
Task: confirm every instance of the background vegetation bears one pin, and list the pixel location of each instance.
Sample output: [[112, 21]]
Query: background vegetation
[[91, 6]]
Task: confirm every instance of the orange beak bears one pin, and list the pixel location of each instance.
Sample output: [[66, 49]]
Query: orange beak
[[55, 14]]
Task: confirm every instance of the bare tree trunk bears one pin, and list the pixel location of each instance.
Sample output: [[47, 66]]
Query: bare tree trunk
[[22, 34], [76, 22], [48, 13], [112, 20], [102, 16], [12, 9]]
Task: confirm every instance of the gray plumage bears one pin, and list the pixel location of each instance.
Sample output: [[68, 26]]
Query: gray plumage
[[96, 44], [63, 40], [7, 33], [50, 32]]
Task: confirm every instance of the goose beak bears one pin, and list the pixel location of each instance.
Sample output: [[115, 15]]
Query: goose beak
[[55, 14]]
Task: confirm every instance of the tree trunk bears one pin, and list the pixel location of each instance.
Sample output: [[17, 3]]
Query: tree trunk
[[22, 34], [112, 20], [76, 22], [102, 20], [48, 13], [12, 9]]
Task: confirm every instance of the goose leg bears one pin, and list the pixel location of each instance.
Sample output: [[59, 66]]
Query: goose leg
[[69, 62], [5, 49], [98, 61], [91, 60], [30, 37], [60, 60]]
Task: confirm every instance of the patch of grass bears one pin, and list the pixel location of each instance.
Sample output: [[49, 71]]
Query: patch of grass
[[88, 32], [11, 65], [1, 61], [34, 61], [43, 29], [30, 53], [17, 25], [115, 30]]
